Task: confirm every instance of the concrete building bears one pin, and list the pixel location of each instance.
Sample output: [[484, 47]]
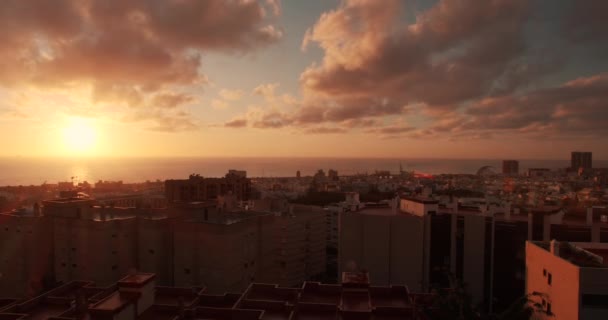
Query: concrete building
[[137, 296], [91, 243], [301, 236], [580, 160], [388, 243], [224, 251], [568, 280], [197, 188], [219, 244], [26, 254], [510, 167]]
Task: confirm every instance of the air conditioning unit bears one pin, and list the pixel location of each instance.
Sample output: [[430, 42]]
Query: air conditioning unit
[[604, 218]]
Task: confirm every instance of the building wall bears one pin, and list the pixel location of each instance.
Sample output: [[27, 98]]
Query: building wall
[[474, 256], [406, 265], [155, 249], [377, 248], [300, 239], [221, 257], [102, 251], [594, 281], [563, 292], [25, 255], [389, 247]]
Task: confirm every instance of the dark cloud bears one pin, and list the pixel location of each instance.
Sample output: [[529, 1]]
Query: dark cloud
[[464, 69], [454, 52], [236, 123], [325, 130], [126, 51], [171, 100]]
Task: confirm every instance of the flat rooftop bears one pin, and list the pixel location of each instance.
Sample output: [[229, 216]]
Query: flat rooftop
[[136, 280], [423, 200], [584, 258], [228, 218]]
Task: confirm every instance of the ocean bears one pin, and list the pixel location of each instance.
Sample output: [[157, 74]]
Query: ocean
[[28, 171]]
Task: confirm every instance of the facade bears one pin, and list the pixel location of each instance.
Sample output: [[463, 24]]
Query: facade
[[90, 243], [510, 167], [582, 160], [197, 188], [389, 244], [300, 237], [137, 296], [26, 254], [213, 244], [222, 251], [567, 280]]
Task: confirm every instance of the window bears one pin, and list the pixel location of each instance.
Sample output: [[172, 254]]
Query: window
[[544, 303], [74, 265], [73, 249], [549, 278], [114, 267], [544, 272], [548, 308], [151, 251], [595, 300], [186, 270], [63, 264]]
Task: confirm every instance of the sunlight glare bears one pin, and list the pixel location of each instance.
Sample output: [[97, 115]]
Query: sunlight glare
[[79, 136]]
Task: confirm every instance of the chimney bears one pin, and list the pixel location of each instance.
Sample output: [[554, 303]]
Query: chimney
[[589, 216], [554, 247]]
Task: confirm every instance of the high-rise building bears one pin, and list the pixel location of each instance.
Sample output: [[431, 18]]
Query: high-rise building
[[197, 188], [510, 167], [581, 160], [567, 280]]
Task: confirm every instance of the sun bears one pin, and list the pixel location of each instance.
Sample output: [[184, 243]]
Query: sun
[[79, 136]]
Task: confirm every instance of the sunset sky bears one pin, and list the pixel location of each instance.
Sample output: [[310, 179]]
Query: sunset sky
[[361, 78]]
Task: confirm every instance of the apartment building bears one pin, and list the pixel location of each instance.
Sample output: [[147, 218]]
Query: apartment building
[[567, 280], [26, 254], [198, 188], [222, 250]]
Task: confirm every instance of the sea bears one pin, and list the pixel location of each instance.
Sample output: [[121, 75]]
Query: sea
[[35, 171]]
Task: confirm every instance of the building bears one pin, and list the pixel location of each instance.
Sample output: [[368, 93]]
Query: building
[[539, 172], [224, 251], [388, 243], [197, 188], [91, 243], [510, 167], [218, 244], [26, 254], [137, 296], [580, 160], [567, 280]]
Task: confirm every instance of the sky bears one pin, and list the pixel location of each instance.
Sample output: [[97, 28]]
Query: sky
[[524, 79]]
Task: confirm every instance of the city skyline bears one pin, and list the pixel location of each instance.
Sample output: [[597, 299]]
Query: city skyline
[[391, 79]]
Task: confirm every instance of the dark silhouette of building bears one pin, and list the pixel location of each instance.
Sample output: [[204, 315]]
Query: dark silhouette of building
[[197, 188], [581, 160], [510, 167]]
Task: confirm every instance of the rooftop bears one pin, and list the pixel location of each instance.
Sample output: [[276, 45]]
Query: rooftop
[[136, 280], [578, 255], [354, 299], [422, 200]]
